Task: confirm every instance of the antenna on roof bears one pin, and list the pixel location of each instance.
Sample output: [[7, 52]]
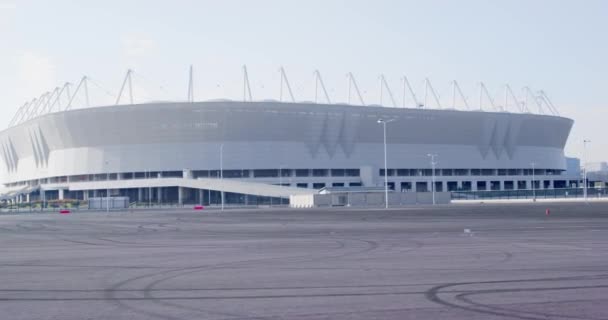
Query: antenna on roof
[[390, 93], [126, 81], [351, 80], [406, 84], [190, 86], [284, 78], [319, 80], [246, 85], [482, 90], [456, 89], [427, 86]]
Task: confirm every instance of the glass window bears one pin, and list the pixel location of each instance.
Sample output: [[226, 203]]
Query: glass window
[[403, 172], [266, 173], [351, 172], [337, 172], [487, 172], [302, 172], [461, 172], [319, 172]]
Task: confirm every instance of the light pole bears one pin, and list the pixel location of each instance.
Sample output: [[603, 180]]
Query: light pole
[[222, 173], [108, 189], [384, 122], [585, 168], [281, 178], [149, 192], [533, 164], [281, 174], [433, 163]]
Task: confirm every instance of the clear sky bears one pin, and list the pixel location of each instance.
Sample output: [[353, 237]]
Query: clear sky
[[558, 46]]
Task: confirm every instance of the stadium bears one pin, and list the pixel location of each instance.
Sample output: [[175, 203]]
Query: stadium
[[264, 151]]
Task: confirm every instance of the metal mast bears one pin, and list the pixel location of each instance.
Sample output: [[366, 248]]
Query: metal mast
[[24, 106], [284, 79], [58, 97], [427, 87], [48, 104], [319, 80], [456, 89], [519, 104], [190, 86], [352, 80], [384, 84], [406, 85], [246, 85], [482, 90], [126, 81], [527, 93], [27, 110], [80, 84], [43, 99], [549, 102]]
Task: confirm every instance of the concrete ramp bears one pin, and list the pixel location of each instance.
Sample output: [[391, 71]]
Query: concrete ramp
[[225, 185]]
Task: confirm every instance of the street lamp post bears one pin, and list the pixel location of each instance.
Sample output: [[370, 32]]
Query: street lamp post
[[149, 192], [222, 173], [108, 189], [533, 164], [281, 178], [281, 174], [433, 163], [585, 168], [384, 122]]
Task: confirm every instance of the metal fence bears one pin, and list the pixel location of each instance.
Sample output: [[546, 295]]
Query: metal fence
[[530, 194], [112, 202]]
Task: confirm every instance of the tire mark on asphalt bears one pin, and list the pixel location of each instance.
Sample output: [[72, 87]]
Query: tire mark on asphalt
[[433, 294]]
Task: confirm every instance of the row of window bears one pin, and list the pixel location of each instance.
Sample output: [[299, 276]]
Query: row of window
[[285, 172], [468, 172], [423, 186], [245, 173]]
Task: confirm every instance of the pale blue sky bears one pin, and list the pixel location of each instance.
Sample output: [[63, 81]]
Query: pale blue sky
[[558, 46]]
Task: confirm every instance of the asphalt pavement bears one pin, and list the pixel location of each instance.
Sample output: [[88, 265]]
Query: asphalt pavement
[[501, 261]]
